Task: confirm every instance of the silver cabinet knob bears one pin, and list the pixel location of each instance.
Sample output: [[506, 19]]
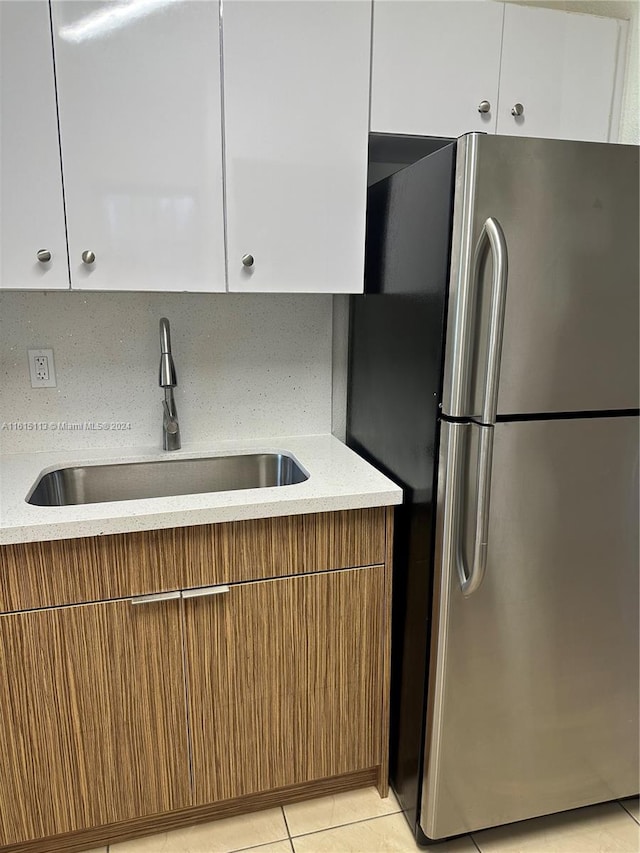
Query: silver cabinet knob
[[44, 256], [88, 257], [247, 260], [517, 110], [484, 107]]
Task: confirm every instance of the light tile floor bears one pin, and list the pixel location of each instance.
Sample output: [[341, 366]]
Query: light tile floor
[[360, 822]]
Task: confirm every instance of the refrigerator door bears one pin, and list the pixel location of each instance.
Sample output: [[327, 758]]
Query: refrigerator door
[[569, 215], [533, 693]]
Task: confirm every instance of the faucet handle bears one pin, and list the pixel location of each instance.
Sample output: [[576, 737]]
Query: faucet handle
[[169, 415], [170, 428]]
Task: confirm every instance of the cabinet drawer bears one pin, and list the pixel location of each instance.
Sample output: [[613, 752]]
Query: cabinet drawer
[[67, 571], [94, 568], [275, 547]]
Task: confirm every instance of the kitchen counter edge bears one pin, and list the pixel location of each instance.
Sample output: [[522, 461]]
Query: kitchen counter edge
[[339, 480]]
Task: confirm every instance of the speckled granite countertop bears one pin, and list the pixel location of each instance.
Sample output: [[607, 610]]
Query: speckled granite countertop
[[338, 479]]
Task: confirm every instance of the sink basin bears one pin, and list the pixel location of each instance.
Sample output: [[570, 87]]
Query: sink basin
[[129, 481]]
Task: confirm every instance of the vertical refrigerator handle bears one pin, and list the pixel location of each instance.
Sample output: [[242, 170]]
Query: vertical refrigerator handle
[[492, 237], [471, 579], [455, 500]]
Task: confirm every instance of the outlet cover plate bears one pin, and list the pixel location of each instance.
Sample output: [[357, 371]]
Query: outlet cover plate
[[41, 368]]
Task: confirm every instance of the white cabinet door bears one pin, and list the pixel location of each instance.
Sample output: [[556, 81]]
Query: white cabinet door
[[31, 206], [434, 62], [296, 84], [140, 127], [561, 67]]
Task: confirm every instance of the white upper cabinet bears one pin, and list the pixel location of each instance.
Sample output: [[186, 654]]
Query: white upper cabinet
[[435, 61], [140, 129], [31, 206], [296, 103], [435, 66], [560, 67]]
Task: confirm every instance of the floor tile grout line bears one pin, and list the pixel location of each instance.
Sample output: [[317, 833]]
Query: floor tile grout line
[[342, 825], [474, 842], [286, 823], [261, 844], [631, 815]]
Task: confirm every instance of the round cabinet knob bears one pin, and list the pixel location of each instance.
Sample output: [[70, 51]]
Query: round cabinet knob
[[44, 256], [484, 107], [517, 110], [247, 260], [88, 257]]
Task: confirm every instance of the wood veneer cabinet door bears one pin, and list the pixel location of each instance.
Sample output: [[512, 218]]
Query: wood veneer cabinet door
[[92, 717], [285, 681]]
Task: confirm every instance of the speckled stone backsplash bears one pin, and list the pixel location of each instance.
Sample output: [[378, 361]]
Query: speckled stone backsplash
[[248, 366]]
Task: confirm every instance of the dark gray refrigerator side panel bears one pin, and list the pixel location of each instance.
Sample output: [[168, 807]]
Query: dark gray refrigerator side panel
[[390, 152], [395, 374], [569, 213], [534, 692]]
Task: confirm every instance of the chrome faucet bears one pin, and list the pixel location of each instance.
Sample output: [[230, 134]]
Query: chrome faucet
[[168, 381]]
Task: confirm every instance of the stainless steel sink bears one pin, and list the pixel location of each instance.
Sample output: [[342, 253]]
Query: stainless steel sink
[[167, 477]]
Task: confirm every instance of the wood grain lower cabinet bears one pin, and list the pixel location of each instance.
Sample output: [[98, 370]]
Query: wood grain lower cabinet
[[92, 717], [285, 679], [71, 571], [261, 678]]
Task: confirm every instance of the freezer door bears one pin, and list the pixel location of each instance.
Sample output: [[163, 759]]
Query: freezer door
[[568, 212], [533, 692]]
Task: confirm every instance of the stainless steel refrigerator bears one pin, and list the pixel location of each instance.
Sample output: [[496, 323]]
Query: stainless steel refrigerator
[[494, 375]]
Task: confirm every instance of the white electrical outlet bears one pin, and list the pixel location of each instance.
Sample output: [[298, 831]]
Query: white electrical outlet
[[41, 368]]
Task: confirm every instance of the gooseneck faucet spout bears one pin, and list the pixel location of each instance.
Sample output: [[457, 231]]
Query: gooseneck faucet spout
[[168, 380]]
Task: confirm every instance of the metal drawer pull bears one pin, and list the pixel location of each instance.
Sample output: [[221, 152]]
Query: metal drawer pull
[[204, 590], [155, 597]]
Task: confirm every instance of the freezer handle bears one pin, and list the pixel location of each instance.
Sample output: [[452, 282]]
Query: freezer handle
[[492, 237], [470, 579]]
